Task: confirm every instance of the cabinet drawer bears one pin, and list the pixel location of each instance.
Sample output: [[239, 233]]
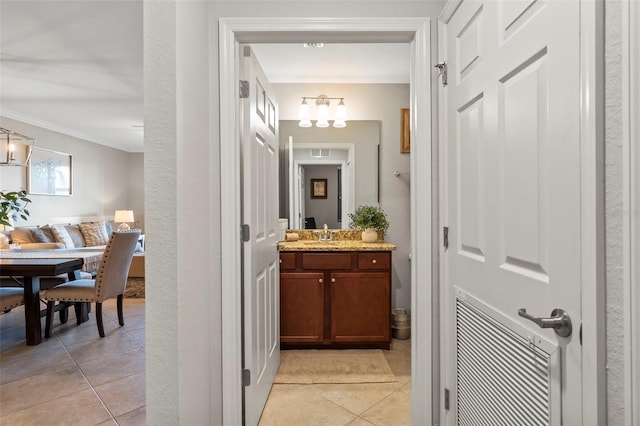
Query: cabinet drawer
[[287, 261], [326, 261], [374, 261]]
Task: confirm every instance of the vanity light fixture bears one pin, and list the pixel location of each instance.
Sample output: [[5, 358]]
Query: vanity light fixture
[[322, 118], [9, 143]]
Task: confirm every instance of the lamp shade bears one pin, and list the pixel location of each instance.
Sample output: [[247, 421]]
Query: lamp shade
[[323, 116], [123, 216]]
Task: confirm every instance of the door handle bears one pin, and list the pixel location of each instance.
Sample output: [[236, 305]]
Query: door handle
[[559, 321]]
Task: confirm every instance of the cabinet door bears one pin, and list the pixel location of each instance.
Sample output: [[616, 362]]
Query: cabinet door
[[360, 307], [301, 307]]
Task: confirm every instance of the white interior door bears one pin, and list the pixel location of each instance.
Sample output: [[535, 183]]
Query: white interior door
[[260, 256], [513, 161]]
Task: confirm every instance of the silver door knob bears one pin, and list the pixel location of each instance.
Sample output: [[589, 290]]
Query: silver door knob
[[559, 321], [374, 261], [320, 280], [333, 280]]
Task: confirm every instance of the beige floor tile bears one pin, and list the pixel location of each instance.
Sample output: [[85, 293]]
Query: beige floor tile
[[359, 422], [399, 362], [123, 395], [72, 334], [114, 342], [24, 361], [81, 408], [139, 335], [34, 390], [12, 337], [133, 322], [298, 405], [356, 398], [394, 410], [104, 370], [134, 418]]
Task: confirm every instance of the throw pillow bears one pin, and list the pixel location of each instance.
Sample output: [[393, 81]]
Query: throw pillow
[[21, 235], [76, 235], [42, 235], [62, 236], [94, 234]]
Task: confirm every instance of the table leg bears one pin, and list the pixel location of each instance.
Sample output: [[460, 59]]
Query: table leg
[[33, 327]]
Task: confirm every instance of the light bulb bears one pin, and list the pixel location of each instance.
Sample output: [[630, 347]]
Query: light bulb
[[303, 112], [323, 116]]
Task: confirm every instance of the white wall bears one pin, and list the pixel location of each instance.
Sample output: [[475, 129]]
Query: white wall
[[614, 214], [182, 187], [104, 179]]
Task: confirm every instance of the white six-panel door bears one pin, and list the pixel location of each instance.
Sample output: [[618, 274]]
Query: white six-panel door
[[260, 256], [513, 211]]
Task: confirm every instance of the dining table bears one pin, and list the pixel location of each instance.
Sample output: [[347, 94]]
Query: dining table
[[31, 270]]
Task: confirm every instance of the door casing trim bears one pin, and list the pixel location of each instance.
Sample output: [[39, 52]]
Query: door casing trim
[[631, 206], [364, 30]]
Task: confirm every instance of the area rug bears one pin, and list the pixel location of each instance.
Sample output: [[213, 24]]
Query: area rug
[[333, 366], [134, 288]]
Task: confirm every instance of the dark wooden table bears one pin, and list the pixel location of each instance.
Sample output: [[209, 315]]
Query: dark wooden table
[[31, 270]]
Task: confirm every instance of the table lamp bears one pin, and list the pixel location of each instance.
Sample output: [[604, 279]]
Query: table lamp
[[122, 217]]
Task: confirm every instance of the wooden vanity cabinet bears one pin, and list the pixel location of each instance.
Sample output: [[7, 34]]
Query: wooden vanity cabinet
[[302, 307], [335, 299]]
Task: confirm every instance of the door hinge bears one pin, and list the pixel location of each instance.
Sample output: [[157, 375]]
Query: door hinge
[[246, 232], [244, 89], [442, 71], [246, 377], [446, 398], [445, 237]]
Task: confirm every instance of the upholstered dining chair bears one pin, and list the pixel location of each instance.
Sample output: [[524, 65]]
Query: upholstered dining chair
[[110, 280], [11, 297]]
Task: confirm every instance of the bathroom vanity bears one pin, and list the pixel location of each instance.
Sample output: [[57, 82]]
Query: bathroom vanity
[[335, 294]]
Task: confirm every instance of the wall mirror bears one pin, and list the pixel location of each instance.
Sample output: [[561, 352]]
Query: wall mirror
[[49, 172], [346, 157]]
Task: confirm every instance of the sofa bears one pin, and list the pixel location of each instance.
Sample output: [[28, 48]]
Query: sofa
[[81, 236]]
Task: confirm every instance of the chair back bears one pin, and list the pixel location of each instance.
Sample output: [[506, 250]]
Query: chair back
[[111, 278]]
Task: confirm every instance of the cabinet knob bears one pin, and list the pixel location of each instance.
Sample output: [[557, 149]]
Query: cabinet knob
[[374, 261], [333, 280], [280, 260], [320, 280]]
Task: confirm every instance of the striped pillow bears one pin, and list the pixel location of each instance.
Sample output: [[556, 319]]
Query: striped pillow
[[94, 233], [61, 235]]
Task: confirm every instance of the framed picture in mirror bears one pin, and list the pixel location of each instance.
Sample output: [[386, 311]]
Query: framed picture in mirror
[[405, 139], [318, 188]]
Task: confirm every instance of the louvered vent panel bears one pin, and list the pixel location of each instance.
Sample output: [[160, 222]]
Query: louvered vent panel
[[501, 379]]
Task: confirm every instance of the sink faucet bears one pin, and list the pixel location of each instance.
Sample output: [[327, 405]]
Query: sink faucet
[[325, 235]]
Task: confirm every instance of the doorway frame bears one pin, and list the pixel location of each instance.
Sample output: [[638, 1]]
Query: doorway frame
[[415, 31], [631, 207], [591, 81], [349, 202]]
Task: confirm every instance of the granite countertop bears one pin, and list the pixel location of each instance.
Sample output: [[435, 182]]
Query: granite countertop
[[343, 240]]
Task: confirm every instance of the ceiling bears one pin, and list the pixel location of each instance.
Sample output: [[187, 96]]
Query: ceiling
[[76, 67]]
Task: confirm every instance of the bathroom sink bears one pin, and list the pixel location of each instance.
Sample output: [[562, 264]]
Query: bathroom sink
[[321, 243]]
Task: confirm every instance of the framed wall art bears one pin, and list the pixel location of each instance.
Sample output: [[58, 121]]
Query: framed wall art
[[318, 188], [50, 172], [405, 136]]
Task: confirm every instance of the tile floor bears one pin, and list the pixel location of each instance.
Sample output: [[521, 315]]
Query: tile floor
[[104, 379], [346, 404], [74, 378]]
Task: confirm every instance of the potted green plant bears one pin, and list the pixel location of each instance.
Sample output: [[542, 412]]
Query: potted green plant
[[13, 205], [371, 220]]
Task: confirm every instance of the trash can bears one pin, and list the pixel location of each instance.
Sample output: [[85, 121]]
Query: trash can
[[400, 324]]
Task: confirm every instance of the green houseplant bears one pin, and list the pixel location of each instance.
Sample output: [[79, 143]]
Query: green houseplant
[[13, 205], [371, 220]]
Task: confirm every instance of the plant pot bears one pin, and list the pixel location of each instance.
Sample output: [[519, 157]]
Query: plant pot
[[369, 235]]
